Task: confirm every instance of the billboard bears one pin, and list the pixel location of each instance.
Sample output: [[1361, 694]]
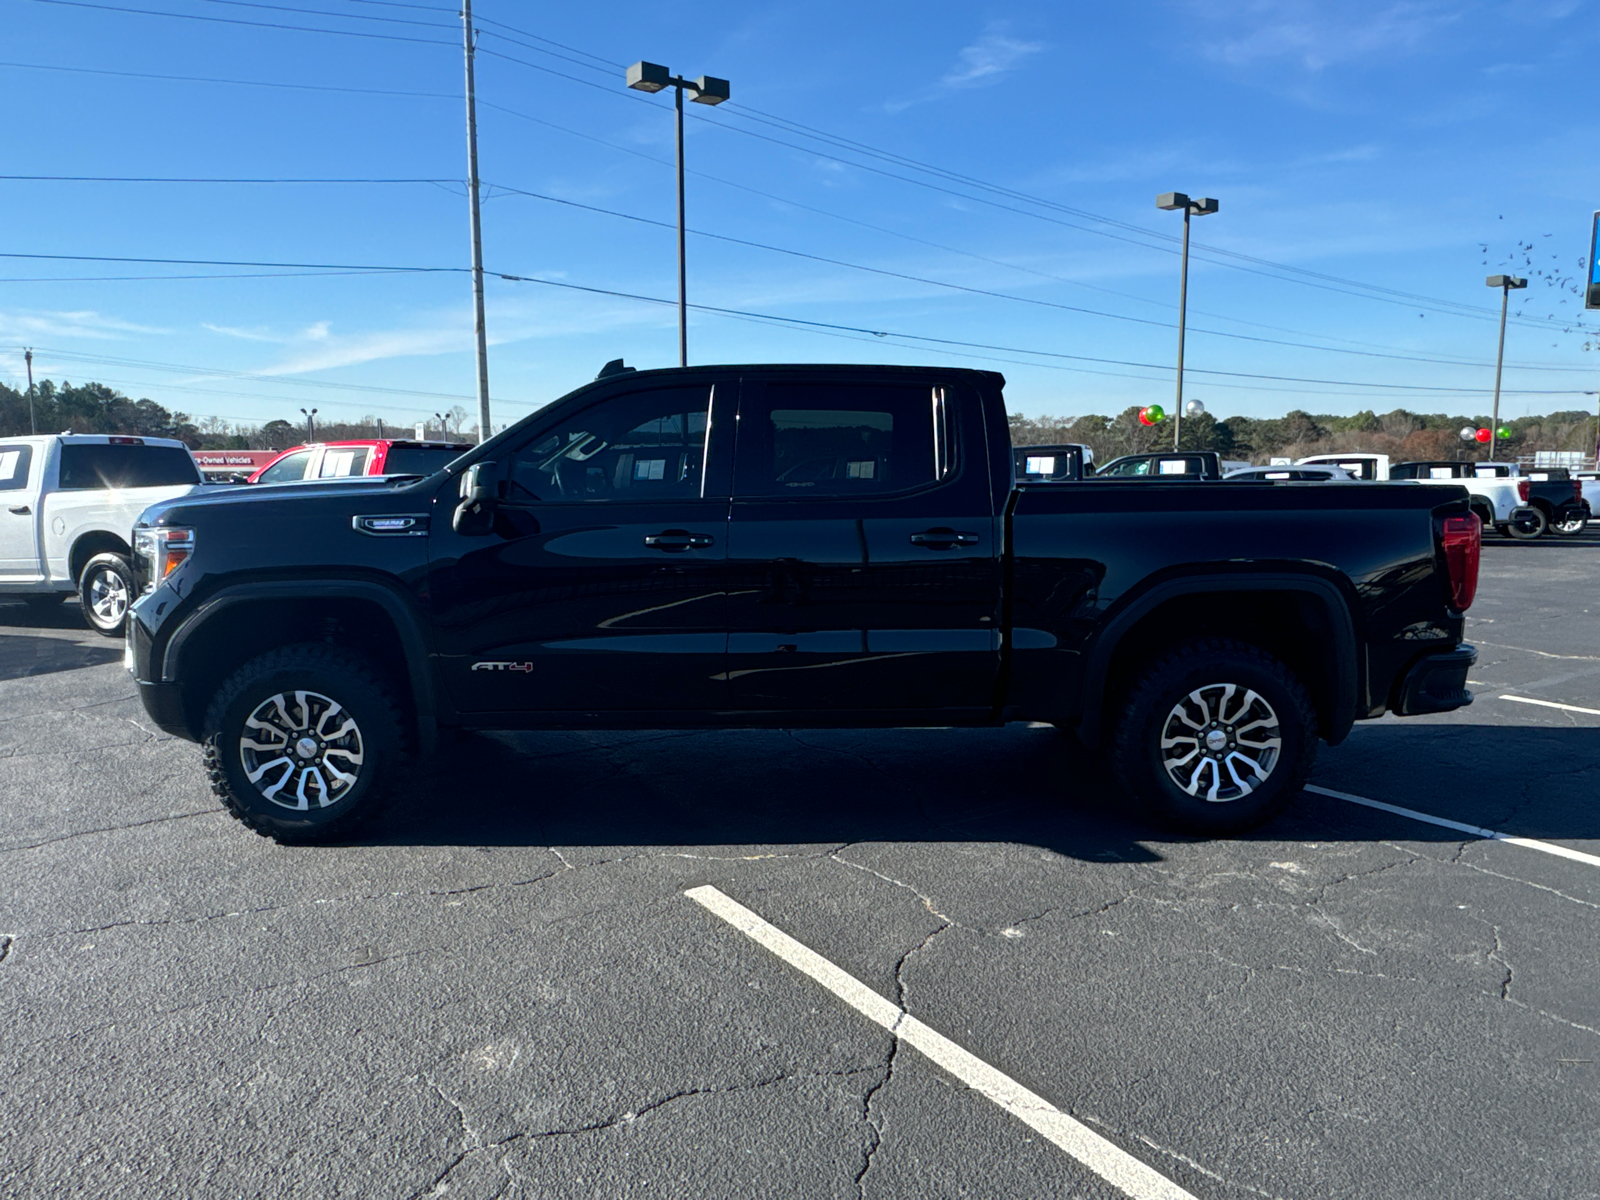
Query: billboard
[[1591, 294]]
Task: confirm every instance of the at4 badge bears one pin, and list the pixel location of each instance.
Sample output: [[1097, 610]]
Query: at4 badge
[[524, 667]]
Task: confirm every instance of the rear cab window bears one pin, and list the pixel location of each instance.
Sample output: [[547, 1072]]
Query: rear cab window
[[808, 440], [87, 466], [14, 464], [419, 460]]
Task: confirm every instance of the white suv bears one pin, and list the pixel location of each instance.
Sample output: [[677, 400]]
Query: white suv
[[70, 503]]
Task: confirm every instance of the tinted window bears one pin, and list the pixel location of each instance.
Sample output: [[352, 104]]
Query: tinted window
[[339, 461], [837, 440], [287, 470], [14, 462], [639, 446], [418, 460], [86, 465]]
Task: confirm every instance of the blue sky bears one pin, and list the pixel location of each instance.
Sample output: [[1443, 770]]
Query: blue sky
[[1354, 147]]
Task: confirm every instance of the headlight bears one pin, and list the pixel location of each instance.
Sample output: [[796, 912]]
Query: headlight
[[164, 549]]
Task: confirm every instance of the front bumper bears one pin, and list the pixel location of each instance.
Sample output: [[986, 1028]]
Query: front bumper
[[1437, 683], [162, 701]]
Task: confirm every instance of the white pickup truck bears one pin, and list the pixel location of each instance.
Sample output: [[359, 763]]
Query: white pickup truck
[[1491, 486], [70, 502]]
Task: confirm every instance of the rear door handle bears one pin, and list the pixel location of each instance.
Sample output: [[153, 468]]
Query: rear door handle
[[943, 539], [678, 539], [22, 510]]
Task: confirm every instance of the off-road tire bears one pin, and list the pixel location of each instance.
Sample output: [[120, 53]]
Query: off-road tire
[[1523, 534], [1141, 766], [320, 670], [105, 608]]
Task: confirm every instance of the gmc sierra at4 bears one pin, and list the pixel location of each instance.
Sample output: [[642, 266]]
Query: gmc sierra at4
[[790, 546]]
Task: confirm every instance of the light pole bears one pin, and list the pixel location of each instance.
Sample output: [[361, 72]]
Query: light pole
[[1507, 284], [474, 223], [311, 424], [33, 426], [650, 77], [1202, 207]]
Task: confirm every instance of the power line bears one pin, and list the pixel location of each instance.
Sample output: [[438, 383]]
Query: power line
[[297, 87], [338, 16], [216, 262], [195, 179], [1164, 367], [989, 293], [150, 12]]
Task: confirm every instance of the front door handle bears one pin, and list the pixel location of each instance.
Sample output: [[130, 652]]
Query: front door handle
[[943, 539], [22, 510], [678, 539]]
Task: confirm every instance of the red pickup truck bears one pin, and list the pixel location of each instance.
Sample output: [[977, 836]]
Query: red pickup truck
[[368, 456]]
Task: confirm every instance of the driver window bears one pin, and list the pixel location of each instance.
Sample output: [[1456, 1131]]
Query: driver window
[[287, 470], [639, 446]]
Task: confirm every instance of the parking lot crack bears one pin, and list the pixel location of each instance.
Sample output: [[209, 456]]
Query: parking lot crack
[[82, 833], [927, 901], [5, 947]]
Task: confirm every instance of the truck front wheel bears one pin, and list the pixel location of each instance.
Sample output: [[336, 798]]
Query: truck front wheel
[[1217, 737], [301, 742], [105, 592]]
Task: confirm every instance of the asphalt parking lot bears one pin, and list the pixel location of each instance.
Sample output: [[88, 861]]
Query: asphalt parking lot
[[503, 990]]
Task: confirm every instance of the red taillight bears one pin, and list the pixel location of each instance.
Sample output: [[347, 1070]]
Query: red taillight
[[1523, 489], [1462, 540]]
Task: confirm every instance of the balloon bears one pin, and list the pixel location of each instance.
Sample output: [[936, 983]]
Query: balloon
[[1482, 435], [1466, 434], [1194, 408], [1145, 418], [1504, 432], [1151, 414]]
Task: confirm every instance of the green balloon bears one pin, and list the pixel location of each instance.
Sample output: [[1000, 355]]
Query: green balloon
[[1155, 412], [1504, 432]]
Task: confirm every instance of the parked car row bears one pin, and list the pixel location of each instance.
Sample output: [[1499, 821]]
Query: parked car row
[[1517, 505], [72, 501]]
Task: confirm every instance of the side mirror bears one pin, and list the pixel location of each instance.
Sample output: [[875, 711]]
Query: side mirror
[[474, 515]]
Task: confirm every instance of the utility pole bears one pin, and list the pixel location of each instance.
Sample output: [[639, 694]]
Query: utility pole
[[1507, 284], [477, 232], [683, 266], [1203, 207], [33, 426]]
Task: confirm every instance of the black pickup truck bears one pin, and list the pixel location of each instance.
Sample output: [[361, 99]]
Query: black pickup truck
[[790, 546]]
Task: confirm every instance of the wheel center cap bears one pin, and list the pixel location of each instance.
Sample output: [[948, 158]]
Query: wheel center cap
[[1216, 740], [306, 748]]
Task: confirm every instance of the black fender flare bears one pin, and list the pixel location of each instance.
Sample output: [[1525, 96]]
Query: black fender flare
[[407, 622], [1346, 662]]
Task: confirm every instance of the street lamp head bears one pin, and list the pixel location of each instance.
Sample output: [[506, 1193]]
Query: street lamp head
[[1171, 201], [1506, 281], [708, 89], [1203, 207], [648, 77]]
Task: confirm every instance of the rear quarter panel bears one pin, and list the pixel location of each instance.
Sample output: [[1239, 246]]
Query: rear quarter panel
[[1084, 553], [68, 516]]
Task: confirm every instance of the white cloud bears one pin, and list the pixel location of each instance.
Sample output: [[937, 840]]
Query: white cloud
[[991, 56], [982, 63], [83, 323], [1318, 34]]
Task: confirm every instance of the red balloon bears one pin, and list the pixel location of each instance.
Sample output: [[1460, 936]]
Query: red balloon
[[1144, 417], [1482, 435]]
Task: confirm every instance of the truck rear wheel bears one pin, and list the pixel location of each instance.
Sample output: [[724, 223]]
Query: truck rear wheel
[[301, 742], [105, 592], [1217, 737], [1570, 526], [1531, 527]]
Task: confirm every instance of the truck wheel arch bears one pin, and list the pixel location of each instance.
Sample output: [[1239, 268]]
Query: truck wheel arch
[[395, 630], [91, 543], [1335, 669]]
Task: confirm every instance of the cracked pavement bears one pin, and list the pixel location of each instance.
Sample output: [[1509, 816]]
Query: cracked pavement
[[499, 989]]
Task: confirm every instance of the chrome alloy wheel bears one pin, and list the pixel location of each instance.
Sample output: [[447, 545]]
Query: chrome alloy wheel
[[1220, 742], [108, 597], [301, 747]]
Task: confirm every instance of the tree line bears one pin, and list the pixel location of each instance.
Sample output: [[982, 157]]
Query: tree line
[[1403, 435], [96, 408]]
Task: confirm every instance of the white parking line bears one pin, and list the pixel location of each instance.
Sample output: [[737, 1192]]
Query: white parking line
[[1116, 1166], [1594, 712], [1477, 831]]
